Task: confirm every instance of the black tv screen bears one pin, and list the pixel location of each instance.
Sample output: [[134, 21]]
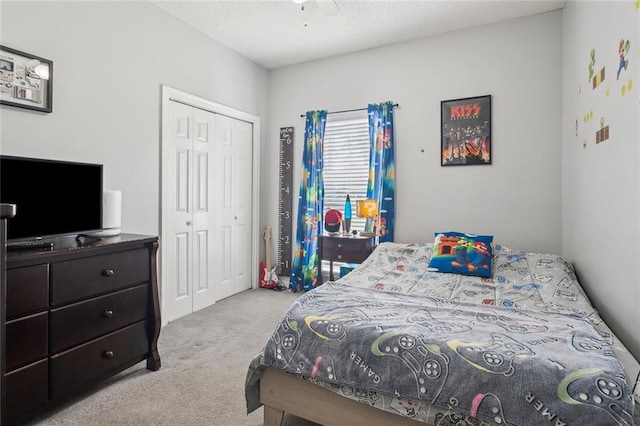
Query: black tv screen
[[52, 197]]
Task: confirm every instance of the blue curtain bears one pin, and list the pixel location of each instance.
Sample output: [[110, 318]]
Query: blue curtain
[[382, 173], [304, 268]]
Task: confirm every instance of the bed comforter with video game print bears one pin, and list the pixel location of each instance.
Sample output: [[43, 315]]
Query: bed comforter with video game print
[[497, 364], [524, 347]]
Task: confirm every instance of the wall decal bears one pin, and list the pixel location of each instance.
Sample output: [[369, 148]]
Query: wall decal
[[610, 61], [587, 117], [623, 65], [602, 134], [623, 51], [598, 78], [626, 87], [592, 64]]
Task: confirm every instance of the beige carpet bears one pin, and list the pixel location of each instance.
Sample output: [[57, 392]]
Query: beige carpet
[[204, 356]]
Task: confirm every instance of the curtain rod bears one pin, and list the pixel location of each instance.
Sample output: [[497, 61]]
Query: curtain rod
[[347, 110]]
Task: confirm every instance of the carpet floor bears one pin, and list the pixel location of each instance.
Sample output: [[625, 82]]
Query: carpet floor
[[205, 357]]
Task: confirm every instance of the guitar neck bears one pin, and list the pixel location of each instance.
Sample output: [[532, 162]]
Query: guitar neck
[[267, 247], [267, 254]]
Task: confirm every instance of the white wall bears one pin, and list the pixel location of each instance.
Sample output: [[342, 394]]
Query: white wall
[[601, 182], [110, 59], [518, 197], [109, 62]]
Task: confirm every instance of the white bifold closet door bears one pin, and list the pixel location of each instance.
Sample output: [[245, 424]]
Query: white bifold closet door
[[233, 179], [208, 198]]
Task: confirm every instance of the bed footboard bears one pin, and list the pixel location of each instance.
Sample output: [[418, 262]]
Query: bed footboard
[[281, 392]]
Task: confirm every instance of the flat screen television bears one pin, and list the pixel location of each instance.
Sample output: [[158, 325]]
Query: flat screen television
[[52, 197]]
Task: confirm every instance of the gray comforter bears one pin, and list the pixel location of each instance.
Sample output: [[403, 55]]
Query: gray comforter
[[499, 365]]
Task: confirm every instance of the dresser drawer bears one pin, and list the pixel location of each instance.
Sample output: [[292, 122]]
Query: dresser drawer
[[86, 320], [27, 290], [90, 276], [347, 244], [346, 249], [26, 340], [97, 359], [26, 390]]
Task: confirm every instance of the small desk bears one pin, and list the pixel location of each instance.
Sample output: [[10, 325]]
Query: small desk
[[343, 248]]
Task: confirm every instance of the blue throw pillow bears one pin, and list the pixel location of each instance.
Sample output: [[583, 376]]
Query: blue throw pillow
[[460, 253]]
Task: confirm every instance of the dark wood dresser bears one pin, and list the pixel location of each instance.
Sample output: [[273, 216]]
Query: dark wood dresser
[[75, 315]]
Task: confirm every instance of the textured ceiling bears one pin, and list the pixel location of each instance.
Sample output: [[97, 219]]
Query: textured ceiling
[[273, 33]]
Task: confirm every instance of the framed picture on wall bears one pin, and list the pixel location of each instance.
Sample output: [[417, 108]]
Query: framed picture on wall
[[465, 131], [26, 81]]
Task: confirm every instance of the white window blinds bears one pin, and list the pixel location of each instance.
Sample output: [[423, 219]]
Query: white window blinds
[[346, 163]]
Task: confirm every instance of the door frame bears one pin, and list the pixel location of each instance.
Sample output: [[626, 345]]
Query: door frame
[[171, 94]]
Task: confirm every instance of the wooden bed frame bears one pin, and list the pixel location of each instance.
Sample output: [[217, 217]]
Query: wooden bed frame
[[282, 392]]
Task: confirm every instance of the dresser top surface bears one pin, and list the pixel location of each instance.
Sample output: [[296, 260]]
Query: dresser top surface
[[71, 246], [347, 236]]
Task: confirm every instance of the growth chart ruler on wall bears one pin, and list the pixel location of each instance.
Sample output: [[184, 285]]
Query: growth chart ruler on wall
[[285, 201]]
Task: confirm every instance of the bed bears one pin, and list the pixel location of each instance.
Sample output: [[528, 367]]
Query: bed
[[396, 342]]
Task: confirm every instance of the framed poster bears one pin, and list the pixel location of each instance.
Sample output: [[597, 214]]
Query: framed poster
[[26, 81], [465, 128]]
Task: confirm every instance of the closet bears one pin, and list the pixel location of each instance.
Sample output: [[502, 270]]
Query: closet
[[208, 208]]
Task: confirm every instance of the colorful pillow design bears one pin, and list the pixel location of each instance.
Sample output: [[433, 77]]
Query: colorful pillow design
[[460, 253]]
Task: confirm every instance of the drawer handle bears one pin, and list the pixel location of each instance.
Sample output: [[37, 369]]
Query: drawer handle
[[107, 313], [339, 245], [107, 354], [108, 272], [339, 256]]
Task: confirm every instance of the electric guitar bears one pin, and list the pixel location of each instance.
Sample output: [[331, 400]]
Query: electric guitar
[[268, 277]]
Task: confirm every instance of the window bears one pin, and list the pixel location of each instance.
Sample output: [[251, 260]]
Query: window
[[346, 162]]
